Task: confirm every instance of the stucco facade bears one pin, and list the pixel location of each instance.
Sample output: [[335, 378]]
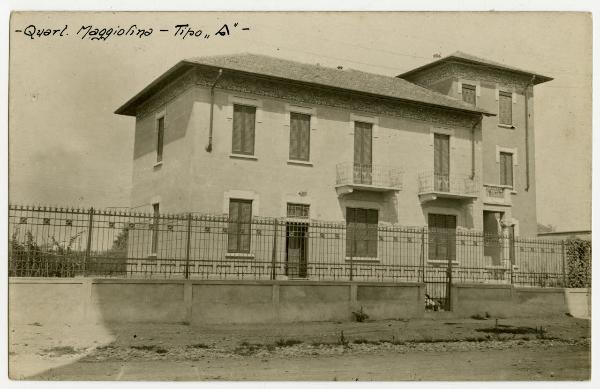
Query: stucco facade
[[518, 139], [195, 178], [189, 178]]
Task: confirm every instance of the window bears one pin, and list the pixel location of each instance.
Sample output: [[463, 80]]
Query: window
[[361, 232], [299, 136], [442, 237], [244, 117], [160, 126], [505, 108], [441, 162], [238, 231], [299, 211], [363, 153], [156, 209], [506, 169], [468, 94]]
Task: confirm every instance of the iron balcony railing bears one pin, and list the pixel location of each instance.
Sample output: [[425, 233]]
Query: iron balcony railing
[[455, 184], [377, 176]]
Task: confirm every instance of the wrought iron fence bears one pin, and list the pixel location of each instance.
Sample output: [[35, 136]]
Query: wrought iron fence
[[59, 242]]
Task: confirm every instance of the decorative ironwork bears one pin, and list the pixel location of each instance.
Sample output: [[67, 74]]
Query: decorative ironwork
[[376, 176]]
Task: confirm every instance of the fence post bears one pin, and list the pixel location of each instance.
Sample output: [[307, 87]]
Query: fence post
[[564, 264], [352, 248], [423, 254], [274, 251], [188, 245], [88, 247], [449, 271]]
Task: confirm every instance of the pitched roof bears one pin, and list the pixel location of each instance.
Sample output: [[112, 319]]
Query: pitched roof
[[459, 56], [348, 80]]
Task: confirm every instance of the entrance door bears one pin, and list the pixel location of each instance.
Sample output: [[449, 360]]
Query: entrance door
[[363, 153], [492, 237], [441, 162], [296, 249]]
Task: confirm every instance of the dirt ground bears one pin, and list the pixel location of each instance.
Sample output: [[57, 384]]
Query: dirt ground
[[425, 349]]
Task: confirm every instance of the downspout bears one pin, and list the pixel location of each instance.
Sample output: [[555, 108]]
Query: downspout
[[526, 93], [473, 146], [212, 108]]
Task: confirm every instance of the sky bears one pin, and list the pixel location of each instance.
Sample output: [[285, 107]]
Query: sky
[[68, 148]]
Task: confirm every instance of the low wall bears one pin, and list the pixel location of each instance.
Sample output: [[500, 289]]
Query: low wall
[[507, 301], [207, 301], [579, 302]]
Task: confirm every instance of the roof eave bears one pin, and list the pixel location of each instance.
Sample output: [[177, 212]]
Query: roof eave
[[129, 107]]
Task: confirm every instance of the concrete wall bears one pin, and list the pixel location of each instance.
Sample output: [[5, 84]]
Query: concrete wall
[[203, 182], [507, 301], [579, 301], [198, 302]]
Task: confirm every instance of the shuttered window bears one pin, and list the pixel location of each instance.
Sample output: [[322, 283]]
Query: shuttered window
[[506, 169], [468, 93], [363, 153], [442, 237], [361, 232], [244, 118], [238, 231], [441, 162], [505, 108], [299, 136], [160, 127]]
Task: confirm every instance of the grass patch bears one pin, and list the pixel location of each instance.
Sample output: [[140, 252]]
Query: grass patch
[[479, 317], [156, 349], [246, 348], [504, 329], [198, 345], [60, 350], [106, 347], [287, 342], [366, 341], [36, 324]]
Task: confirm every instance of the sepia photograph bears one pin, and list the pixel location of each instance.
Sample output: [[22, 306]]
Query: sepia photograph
[[299, 196]]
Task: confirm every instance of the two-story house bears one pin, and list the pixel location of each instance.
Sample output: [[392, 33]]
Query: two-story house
[[448, 145]]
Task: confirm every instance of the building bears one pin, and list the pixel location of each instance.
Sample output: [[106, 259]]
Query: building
[[562, 235], [448, 145]]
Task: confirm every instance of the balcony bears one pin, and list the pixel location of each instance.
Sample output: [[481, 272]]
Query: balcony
[[497, 195], [376, 178], [433, 186]]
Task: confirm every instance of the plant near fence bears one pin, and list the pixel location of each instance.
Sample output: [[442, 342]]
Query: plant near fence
[[579, 263], [28, 258]]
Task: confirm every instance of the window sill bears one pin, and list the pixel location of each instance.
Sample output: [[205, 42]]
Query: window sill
[[243, 156], [296, 162], [509, 126], [239, 256], [362, 259], [158, 164]]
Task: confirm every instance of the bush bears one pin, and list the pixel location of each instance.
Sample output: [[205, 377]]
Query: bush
[[579, 263], [30, 259]]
